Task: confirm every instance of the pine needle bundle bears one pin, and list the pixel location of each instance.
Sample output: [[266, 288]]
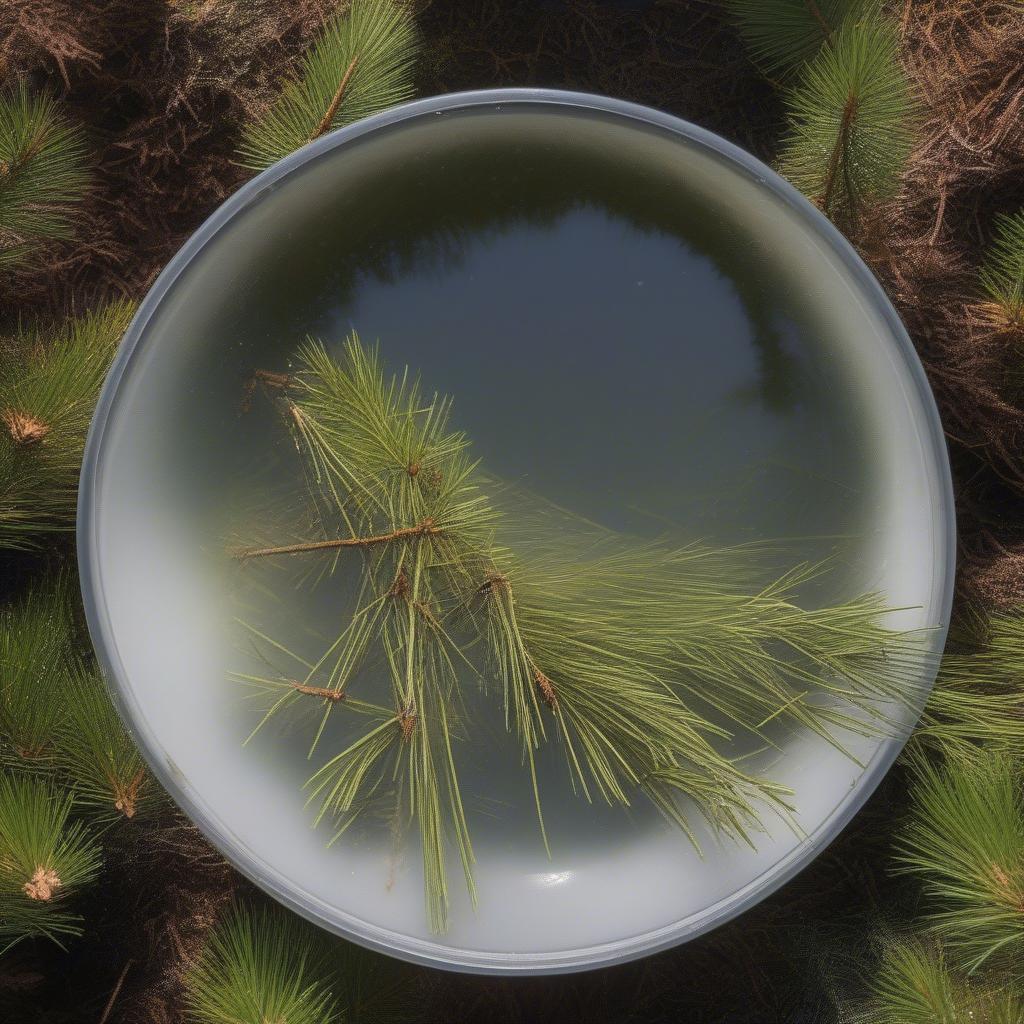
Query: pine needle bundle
[[362, 63], [784, 34], [850, 121], [42, 173], [97, 754], [965, 841], [48, 388], [978, 696], [260, 966], [914, 984], [1002, 276], [588, 639], [35, 655], [45, 858]]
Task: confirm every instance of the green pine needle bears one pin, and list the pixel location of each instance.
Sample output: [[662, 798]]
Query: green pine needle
[[914, 984], [784, 34], [36, 655], [851, 121], [362, 63], [1002, 276], [42, 173], [44, 860], [965, 841], [260, 967], [48, 389], [978, 697], [595, 641], [96, 752]]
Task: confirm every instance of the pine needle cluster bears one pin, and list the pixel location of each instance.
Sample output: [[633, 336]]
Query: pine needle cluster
[[1002, 276], [42, 173], [784, 34], [56, 716], [263, 964], [258, 966], [362, 63], [851, 121], [913, 983], [45, 858], [965, 842], [48, 389], [587, 638], [978, 699]]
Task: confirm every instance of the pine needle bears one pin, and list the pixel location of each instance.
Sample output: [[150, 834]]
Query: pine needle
[[965, 841], [784, 34], [44, 860], [42, 173], [361, 64], [914, 984], [49, 384], [35, 655], [1002, 276], [850, 121], [258, 967], [97, 754]]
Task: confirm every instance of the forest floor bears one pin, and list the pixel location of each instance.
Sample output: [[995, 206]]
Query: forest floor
[[164, 86]]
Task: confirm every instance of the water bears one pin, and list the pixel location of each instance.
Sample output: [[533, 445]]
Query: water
[[630, 328]]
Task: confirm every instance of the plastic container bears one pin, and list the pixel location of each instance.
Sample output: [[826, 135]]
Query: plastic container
[[334, 235]]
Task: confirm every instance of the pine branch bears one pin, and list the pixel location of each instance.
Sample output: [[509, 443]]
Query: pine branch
[[361, 64], [598, 642], [36, 641], [851, 121], [49, 384], [914, 984], [42, 173], [1002, 276], [260, 966], [44, 860], [98, 756], [978, 698], [782, 35], [965, 841]]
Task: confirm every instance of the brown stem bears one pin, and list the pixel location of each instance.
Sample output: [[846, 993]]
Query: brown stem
[[116, 992], [407, 723], [426, 528], [546, 687], [816, 14], [319, 691], [836, 159], [125, 798], [325, 121]]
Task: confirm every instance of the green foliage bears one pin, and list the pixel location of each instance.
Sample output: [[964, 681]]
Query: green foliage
[[913, 984], [1002, 276], [260, 966], [48, 388], [851, 121], [97, 754], [42, 173], [965, 841], [592, 638], [36, 655], [784, 34], [44, 860], [362, 63], [979, 696]]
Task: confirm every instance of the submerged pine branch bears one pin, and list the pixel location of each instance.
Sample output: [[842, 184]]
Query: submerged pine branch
[[602, 644]]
